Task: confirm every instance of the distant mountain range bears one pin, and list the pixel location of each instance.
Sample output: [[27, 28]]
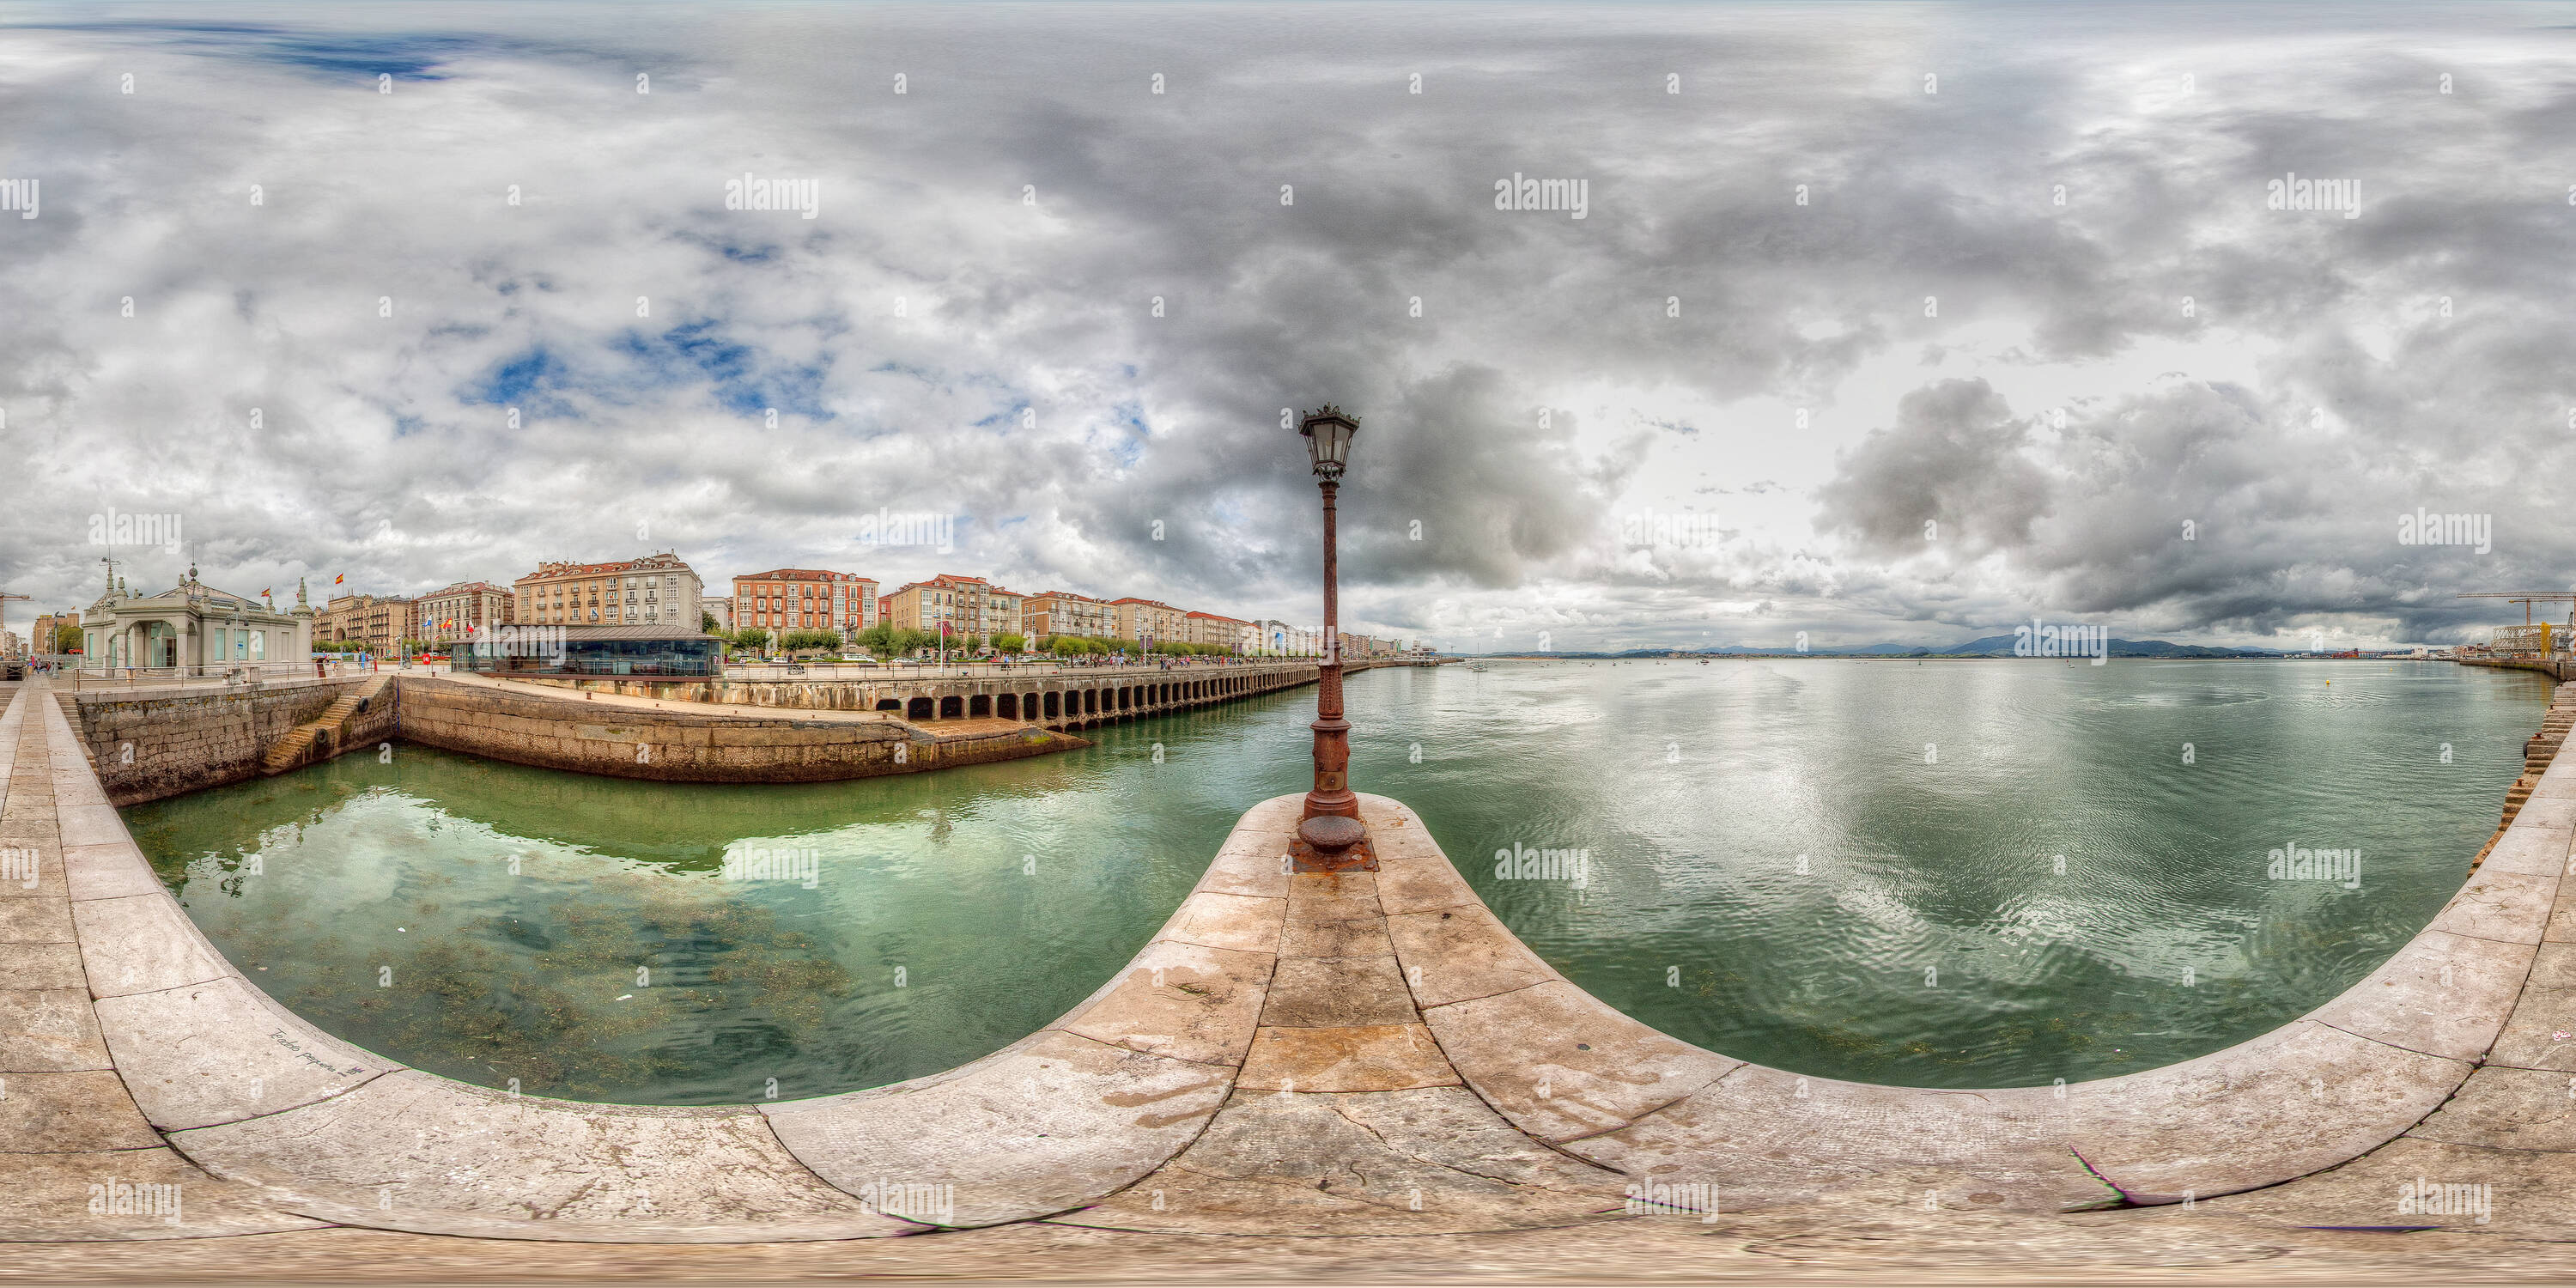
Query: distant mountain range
[[1990, 646]]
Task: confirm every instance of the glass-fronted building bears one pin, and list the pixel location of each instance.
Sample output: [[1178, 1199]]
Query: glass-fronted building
[[591, 650]]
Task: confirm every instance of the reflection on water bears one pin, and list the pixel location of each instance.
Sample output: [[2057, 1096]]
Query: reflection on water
[[1958, 874]]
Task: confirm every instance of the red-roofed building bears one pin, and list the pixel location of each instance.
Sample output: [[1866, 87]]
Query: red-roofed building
[[973, 611], [805, 599], [656, 590]]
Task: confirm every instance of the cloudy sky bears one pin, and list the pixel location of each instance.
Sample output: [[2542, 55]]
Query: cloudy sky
[[1881, 323]]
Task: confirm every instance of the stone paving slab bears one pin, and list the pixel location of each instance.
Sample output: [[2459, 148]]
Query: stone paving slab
[[1372, 1057], [36, 921], [41, 965], [410, 1151], [70, 1113], [128, 1194], [1181, 1000], [1426, 1161], [1561, 1065], [182, 1084], [1042, 1127], [2531, 849], [1462, 953], [2541, 1034], [142, 943], [2299, 1099], [2525, 1192], [49, 1030], [2441, 994], [2507, 1109], [2504, 906], [1236, 922], [1336, 992], [110, 871]]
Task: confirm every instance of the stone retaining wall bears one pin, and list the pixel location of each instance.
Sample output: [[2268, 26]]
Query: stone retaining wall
[[147, 744], [529, 725]]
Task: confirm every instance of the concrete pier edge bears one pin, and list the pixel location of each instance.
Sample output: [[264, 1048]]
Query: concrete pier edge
[[1275, 1027]]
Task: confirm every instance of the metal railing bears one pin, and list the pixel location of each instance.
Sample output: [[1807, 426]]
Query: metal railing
[[75, 672]]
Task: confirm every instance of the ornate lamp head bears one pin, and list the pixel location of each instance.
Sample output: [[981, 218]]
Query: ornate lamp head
[[1328, 440]]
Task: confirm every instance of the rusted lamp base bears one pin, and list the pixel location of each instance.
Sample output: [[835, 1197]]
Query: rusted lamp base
[[1330, 843]]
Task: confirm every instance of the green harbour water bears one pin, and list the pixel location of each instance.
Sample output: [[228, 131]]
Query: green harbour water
[[1844, 868]]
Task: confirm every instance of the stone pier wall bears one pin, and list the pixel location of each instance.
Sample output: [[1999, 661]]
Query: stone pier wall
[[682, 742], [1071, 700], [149, 743]]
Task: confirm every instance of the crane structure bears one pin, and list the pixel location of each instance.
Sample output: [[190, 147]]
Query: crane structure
[[2527, 598]]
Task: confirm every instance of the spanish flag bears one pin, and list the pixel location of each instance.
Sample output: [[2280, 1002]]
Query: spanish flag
[[341, 578]]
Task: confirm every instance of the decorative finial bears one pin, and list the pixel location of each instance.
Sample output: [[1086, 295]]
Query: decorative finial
[[192, 572]]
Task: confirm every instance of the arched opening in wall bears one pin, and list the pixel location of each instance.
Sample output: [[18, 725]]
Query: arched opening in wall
[[917, 709], [1090, 701], [952, 707], [980, 706], [1028, 706], [889, 704], [1051, 709], [1127, 698], [1007, 706]]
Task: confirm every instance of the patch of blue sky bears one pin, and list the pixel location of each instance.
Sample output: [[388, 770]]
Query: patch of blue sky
[[333, 55]]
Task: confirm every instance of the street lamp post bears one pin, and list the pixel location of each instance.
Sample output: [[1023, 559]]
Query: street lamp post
[[1330, 822]]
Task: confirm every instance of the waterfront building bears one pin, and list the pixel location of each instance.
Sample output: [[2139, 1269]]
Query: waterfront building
[[1279, 639], [370, 623], [192, 624], [463, 610], [656, 590], [47, 625], [721, 609], [1062, 612], [655, 651], [1218, 630], [972, 610], [805, 599], [1147, 621]]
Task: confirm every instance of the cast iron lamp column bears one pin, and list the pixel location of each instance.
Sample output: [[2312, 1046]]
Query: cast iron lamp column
[[1330, 821]]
